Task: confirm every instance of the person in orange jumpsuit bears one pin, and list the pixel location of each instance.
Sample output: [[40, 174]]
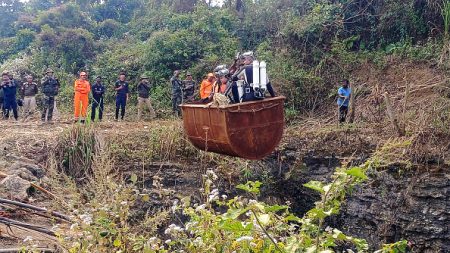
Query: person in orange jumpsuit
[[81, 101], [206, 88]]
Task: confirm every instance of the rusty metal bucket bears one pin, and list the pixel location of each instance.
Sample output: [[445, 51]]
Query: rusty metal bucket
[[250, 130]]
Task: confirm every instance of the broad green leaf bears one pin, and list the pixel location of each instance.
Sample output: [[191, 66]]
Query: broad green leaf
[[292, 217], [234, 213], [315, 185], [356, 172], [264, 219]]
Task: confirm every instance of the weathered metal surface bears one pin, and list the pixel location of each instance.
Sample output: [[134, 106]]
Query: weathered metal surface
[[250, 130]]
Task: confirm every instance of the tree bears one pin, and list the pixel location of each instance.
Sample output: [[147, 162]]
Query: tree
[[9, 13]]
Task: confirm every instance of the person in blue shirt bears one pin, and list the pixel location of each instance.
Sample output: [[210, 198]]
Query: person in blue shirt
[[122, 93], [98, 89], [343, 101]]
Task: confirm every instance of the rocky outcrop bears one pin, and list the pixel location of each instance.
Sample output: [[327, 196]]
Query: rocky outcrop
[[396, 205]]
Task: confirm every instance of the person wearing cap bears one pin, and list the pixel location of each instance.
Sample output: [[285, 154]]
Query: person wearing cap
[[188, 89], [82, 88], [206, 87], [122, 94], [176, 92], [98, 90], [50, 87], [29, 91], [143, 89], [9, 90]]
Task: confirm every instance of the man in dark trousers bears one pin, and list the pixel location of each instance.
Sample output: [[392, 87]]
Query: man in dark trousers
[[50, 87], [122, 94], [143, 89], [176, 92], [246, 74], [188, 89], [343, 101], [98, 89], [9, 90]]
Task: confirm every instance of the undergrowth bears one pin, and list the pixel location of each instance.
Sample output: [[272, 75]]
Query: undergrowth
[[114, 214]]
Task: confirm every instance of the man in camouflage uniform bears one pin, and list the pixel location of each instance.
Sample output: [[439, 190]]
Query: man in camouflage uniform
[[188, 89], [176, 92], [50, 88]]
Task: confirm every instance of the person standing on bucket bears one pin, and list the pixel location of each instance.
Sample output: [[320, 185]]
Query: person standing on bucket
[[122, 94], [81, 100], [177, 85], [50, 88], [143, 89], [98, 89], [343, 101]]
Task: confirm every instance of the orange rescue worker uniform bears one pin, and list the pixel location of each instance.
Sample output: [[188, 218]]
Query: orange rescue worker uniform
[[206, 87], [81, 101]]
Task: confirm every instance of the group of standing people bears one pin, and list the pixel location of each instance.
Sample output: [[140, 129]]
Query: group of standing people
[[28, 90], [122, 89], [50, 87]]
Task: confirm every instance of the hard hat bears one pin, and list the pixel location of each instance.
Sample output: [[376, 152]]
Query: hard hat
[[220, 67], [49, 70], [144, 77], [223, 72], [248, 54], [188, 74], [210, 75], [83, 73]]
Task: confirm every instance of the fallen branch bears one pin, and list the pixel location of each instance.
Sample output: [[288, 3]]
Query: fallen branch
[[35, 208], [19, 250], [9, 222]]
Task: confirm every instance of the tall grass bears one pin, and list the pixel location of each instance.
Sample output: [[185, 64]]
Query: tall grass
[[445, 12], [76, 151]]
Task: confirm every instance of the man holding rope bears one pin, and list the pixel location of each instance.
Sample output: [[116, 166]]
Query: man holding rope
[[343, 101]]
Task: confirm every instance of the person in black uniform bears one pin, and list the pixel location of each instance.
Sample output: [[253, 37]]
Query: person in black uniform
[[98, 89], [246, 74]]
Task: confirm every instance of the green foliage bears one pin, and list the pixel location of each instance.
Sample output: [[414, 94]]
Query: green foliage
[[398, 247], [309, 45], [446, 16]]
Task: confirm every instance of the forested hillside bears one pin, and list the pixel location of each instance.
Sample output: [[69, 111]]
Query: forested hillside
[[309, 45]]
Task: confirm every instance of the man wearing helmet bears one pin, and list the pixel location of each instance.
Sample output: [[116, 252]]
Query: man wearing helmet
[[246, 74]]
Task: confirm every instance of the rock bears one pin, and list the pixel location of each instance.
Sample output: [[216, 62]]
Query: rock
[[23, 173], [16, 187], [34, 169]]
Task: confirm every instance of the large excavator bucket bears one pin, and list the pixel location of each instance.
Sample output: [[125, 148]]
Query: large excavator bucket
[[250, 130]]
